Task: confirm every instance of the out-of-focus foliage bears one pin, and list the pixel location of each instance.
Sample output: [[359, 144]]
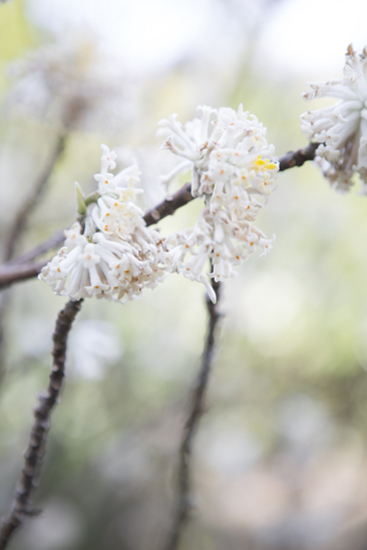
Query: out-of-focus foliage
[[280, 457]]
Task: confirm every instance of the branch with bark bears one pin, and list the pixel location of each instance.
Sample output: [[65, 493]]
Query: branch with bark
[[55, 241], [197, 407], [166, 208], [298, 158], [16, 230], [10, 274], [22, 507]]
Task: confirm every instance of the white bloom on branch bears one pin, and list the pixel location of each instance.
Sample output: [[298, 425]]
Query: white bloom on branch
[[233, 169], [341, 129], [113, 254], [222, 146]]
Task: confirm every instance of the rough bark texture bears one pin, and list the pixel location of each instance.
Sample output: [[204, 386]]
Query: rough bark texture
[[22, 505], [169, 205], [197, 407]]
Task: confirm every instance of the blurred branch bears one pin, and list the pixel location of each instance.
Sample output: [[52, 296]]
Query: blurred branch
[[165, 208], [196, 410], [15, 232], [52, 242], [10, 274], [20, 221], [36, 447]]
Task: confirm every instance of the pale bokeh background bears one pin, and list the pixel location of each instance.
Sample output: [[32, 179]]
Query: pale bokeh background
[[280, 458]]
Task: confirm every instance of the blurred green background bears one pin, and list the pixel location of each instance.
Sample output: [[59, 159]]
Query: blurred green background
[[280, 458]]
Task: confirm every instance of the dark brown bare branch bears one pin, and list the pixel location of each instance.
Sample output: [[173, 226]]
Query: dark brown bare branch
[[22, 216], [197, 406], [169, 205], [22, 506], [297, 158]]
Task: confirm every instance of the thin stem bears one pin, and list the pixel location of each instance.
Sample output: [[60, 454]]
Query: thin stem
[[34, 453], [14, 235], [22, 216], [92, 198], [54, 241], [196, 410], [10, 274]]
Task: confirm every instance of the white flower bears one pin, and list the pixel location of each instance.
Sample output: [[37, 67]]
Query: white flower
[[222, 146], [231, 164], [114, 256], [342, 128]]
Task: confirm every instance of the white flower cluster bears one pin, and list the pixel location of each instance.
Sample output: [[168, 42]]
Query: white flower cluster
[[341, 129], [233, 169], [114, 255]]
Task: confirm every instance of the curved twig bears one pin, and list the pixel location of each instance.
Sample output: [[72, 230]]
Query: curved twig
[[55, 241], [169, 205], [36, 447], [183, 504], [297, 158], [21, 218], [10, 274], [154, 215], [15, 232]]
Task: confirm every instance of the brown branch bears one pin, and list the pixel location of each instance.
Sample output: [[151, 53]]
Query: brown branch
[[54, 241], [10, 274], [169, 205], [21, 218], [15, 233], [15, 270], [197, 407], [165, 208], [22, 506], [297, 158]]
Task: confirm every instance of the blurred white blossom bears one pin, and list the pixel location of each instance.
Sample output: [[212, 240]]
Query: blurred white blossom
[[341, 129], [113, 254], [233, 169], [71, 81], [94, 345]]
